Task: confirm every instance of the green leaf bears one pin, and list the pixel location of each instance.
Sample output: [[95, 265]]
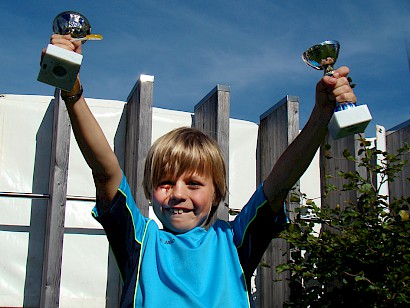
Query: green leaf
[[264, 264], [310, 202], [281, 268], [294, 198]]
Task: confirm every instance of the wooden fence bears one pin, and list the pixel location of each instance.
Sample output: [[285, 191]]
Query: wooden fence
[[278, 127], [396, 137]]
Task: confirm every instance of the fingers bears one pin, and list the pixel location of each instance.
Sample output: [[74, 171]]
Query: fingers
[[338, 86], [64, 41], [342, 71], [343, 92]]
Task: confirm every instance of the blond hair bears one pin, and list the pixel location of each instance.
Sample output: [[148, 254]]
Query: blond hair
[[182, 150]]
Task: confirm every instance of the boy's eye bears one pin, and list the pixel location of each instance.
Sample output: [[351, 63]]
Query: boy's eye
[[165, 185], [194, 184]]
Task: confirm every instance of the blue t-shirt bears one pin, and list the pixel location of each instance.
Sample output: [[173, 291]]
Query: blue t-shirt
[[199, 268]]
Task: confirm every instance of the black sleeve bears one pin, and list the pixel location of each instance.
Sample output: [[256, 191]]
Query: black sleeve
[[257, 237]]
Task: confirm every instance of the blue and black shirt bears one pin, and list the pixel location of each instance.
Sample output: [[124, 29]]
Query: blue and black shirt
[[199, 268]]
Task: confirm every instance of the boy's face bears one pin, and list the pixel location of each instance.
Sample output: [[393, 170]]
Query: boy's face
[[184, 203]]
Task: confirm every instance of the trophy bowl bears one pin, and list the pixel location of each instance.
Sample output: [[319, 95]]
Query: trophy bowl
[[348, 119], [71, 22], [322, 56]]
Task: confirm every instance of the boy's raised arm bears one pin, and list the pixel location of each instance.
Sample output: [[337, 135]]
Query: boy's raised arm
[[89, 135], [296, 158]]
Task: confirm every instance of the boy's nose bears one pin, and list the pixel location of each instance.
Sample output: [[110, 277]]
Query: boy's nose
[[178, 192]]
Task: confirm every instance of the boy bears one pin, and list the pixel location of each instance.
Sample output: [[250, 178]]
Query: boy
[[186, 265]]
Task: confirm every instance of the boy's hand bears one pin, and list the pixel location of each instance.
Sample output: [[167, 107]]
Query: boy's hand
[[332, 89], [64, 41]]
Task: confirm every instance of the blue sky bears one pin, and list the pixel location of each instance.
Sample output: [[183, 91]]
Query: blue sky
[[191, 46]]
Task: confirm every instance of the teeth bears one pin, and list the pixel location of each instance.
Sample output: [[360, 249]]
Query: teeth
[[176, 211]]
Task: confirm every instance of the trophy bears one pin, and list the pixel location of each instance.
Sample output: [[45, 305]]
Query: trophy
[[59, 67], [348, 118]]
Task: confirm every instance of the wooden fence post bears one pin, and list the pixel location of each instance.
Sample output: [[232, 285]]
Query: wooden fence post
[[331, 162], [279, 126], [212, 117], [396, 138], [138, 137], [53, 246]]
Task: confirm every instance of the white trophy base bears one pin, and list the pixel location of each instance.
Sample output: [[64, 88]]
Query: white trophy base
[[350, 121], [60, 67]]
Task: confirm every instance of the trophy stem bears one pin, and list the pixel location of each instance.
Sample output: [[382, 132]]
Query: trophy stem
[[329, 70]]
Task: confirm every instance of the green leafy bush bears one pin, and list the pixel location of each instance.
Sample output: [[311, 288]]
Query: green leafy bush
[[360, 255]]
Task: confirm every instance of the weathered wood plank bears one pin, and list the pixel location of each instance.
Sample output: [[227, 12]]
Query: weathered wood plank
[[53, 248], [138, 137], [396, 138], [331, 162], [279, 126], [212, 117]]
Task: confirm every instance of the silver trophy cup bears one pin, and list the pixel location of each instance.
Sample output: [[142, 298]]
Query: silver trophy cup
[[73, 23], [348, 118], [59, 67]]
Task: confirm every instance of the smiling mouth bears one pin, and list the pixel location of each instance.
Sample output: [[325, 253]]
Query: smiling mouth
[[178, 211]]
